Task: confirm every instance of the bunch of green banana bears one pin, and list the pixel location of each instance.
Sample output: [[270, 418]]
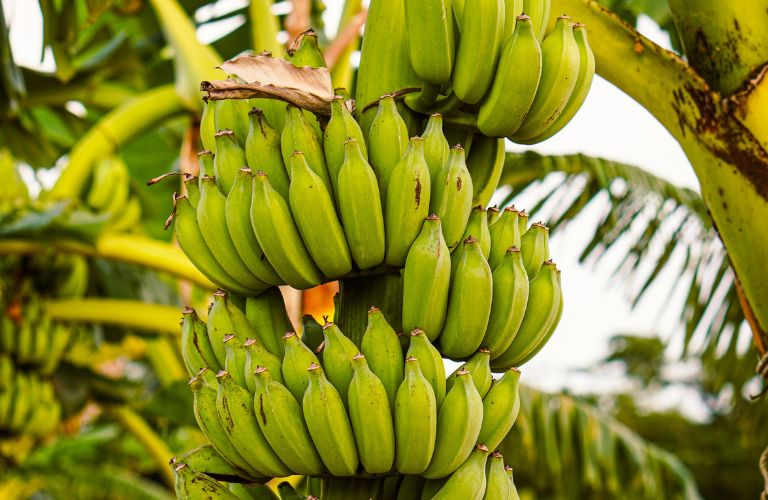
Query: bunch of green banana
[[110, 194], [33, 340], [28, 404]]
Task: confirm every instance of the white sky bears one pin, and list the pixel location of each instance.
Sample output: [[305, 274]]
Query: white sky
[[609, 125]]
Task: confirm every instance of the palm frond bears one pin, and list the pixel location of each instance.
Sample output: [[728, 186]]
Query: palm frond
[[651, 227], [590, 454]]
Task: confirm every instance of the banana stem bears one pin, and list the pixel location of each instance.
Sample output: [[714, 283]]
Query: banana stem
[[155, 446], [104, 95], [132, 314], [129, 248], [350, 488], [357, 295], [116, 128]]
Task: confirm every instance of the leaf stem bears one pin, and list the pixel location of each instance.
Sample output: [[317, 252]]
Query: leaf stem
[[133, 314]]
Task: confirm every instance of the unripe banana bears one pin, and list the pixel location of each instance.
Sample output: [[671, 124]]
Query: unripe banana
[[232, 114], [208, 127], [436, 147], [191, 484], [205, 459], [382, 350], [205, 164], [497, 482], [359, 202], [534, 245], [512, 489], [451, 196], [430, 362], [278, 236], [469, 304], [280, 419], [482, 29], [559, 72], [477, 227], [505, 233], [500, 408], [234, 360], [329, 425], [468, 481], [308, 53], [512, 9], [539, 12], [522, 220], [196, 349], [518, 74], [551, 329], [581, 89], [224, 318], [337, 358], [191, 241], [407, 202], [296, 361], [429, 28], [458, 425], [479, 368], [315, 216], [60, 338], [110, 176], [262, 151], [387, 142], [245, 491], [426, 280], [371, 418], [341, 127], [234, 405], [510, 298], [540, 314], [204, 406], [299, 135], [414, 437], [494, 214], [238, 219], [229, 158], [485, 161], [257, 355], [269, 318], [410, 487]]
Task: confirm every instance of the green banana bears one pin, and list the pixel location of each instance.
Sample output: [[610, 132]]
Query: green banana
[[430, 362], [458, 425], [298, 357], [337, 358], [500, 408], [110, 182], [559, 73], [196, 349], [315, 216], [269, 318], [359, 202], [512, 9], [410, 487], [522, 220], [510, 298], [436, 147], [299, 135], [208, 126], [540, 314], [426, 280], [224, 318], [191, 241], [191, 484], [431, 487], [205, 164], [387, 142], [204, 406], [485, 161], [518, 74], [329, 425], [382, 350], [494, 214], [206, 460], [468, 481], [256, 354], [534, 245], [513, 495], [451, 196], [407, 202], [280, 419], [238, 219], [482, 29], [580, 91], [229, 158], [278, 236], [429, 28], [234, 405], [192, 190], [505, 233], [252, 491], [211, 212], [480, 369], [497, 487], [288, 492], [341, 127], [232, 114], [234, 362], [539, 12], [262, 151], [477, 227], [469, 304], [551, 329], [371, 418], [414, 436]]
